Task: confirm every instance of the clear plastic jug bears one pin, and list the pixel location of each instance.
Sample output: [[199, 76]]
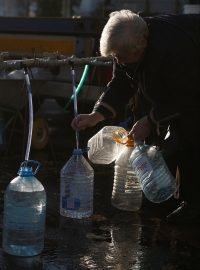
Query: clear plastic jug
[[76, 187], [24, 213], [127, 192], [158, 184], [103, 149]]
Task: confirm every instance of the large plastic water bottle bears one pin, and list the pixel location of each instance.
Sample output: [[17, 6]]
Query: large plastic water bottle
[[76, 187], [156, 180], [127, 192], [103, 149], [24, 214]]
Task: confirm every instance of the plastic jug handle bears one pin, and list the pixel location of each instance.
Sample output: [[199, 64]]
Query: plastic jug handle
[[139, 143], [35, 162]]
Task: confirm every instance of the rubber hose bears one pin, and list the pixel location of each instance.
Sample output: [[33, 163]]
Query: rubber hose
[[82, 80]]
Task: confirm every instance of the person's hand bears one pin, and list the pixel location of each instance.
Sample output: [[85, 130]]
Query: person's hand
[[141, 129], [83, 121]]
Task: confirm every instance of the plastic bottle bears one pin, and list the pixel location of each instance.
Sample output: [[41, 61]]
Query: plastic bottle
[[76, 187], [127, 192], [156, 180], [103, 149], [24, 214]]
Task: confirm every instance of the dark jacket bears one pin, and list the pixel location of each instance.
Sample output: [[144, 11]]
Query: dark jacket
[[167, 76]]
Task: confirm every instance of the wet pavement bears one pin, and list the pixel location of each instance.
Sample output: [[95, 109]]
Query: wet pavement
[[110, 239]]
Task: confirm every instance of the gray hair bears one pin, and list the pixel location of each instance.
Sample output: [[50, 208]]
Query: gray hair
[[125, 31]]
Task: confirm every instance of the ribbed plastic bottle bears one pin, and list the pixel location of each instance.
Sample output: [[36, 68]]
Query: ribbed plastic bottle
[[127, 192], [103, 149], [156, 180], [76, 187], [24, 214]]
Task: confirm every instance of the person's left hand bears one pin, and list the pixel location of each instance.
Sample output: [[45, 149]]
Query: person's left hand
[[141, 129]]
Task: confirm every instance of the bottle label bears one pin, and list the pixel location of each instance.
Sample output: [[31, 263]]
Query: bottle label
[[131, 181], [142, 166], [69, 203]]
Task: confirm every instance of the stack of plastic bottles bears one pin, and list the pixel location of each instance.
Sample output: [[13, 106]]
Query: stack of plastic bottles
[[109, 145], [142, 163]]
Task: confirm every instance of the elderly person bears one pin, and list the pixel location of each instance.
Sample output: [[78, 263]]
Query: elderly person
[[156, 61]]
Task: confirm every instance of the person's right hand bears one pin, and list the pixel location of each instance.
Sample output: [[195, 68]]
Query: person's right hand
[[141, 129], [83, 121]]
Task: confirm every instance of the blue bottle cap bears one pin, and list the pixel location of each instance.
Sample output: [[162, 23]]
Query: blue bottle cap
[[77, 152], [25, 171]]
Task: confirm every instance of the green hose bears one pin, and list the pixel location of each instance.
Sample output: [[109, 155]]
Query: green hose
[[85, 72]]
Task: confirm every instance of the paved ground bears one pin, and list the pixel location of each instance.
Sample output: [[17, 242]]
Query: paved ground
[[111, 239]]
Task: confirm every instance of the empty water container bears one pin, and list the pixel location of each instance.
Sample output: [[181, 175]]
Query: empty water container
[[103, 149], [158, 184]]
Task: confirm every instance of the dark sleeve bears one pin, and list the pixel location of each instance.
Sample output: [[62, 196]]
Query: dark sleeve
[[172, 75], [117, 93], [163, 90]]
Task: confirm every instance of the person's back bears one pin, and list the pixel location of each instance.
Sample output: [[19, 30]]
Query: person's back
[[172, 59]]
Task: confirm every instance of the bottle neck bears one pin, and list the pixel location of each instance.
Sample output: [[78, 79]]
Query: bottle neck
[[130, 142], [25, 172]]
